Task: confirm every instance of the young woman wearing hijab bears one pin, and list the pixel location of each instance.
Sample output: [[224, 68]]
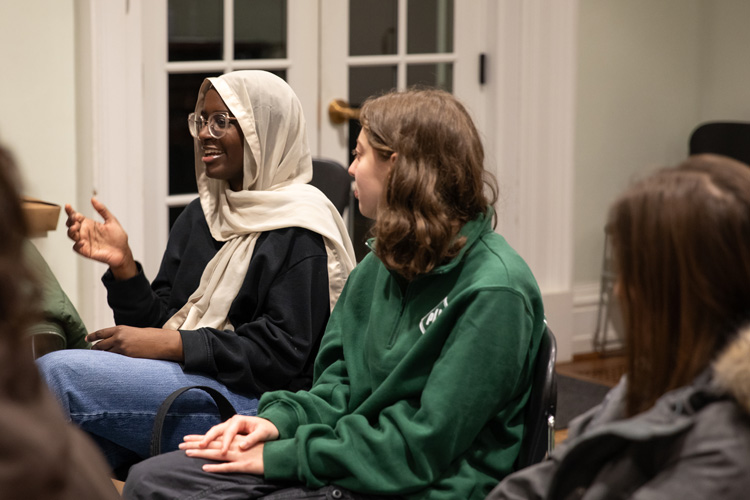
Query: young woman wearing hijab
[[425, 367], [678, 424], [245, 288]]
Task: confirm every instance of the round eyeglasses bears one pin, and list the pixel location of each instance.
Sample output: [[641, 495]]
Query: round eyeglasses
[[218, 124]]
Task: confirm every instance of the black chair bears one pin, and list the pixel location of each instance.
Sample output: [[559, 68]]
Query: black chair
[[333, 179], [730, 139], [539, 431]]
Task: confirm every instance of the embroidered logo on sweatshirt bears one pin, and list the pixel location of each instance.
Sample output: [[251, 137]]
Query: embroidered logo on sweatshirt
[[431, 316]]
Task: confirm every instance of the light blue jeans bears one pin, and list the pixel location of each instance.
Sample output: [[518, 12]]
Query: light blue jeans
[[115, 398]]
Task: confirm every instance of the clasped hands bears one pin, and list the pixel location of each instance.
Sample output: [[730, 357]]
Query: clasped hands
[[238, 443]]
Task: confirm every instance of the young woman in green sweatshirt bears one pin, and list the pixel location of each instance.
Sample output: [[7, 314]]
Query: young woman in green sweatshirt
[[425, 367]]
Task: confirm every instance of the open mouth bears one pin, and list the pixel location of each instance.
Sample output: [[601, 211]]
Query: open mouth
[[211, 154]]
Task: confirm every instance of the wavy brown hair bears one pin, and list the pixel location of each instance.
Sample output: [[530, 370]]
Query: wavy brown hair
[[682, 249], [19, 291], [437, 183]]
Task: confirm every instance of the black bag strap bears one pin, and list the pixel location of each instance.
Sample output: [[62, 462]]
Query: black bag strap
[[226, 410]]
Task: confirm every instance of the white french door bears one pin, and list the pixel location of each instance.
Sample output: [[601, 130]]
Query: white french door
[[325, 49]]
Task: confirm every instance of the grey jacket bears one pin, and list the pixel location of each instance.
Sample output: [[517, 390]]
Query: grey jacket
[[694, 443]]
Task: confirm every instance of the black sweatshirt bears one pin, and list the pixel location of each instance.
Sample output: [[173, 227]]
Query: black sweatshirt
[[279, 314]]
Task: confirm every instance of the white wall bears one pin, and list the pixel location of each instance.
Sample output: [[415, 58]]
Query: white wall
[[37, 112], [649, 71], [725, 60], [637, 101]]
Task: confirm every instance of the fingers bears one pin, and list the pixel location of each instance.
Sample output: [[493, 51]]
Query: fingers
[[226, 467], [104, 333], [213, 433], [101, 209], [235, 425]]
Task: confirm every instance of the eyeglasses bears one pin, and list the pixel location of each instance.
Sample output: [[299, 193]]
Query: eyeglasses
[[218, 124]]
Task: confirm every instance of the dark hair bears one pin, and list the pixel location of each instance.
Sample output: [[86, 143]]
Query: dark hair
[[681, 243], [437, 183], [19, 293]]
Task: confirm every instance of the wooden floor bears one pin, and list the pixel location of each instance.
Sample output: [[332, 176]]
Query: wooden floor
[[593, 367]]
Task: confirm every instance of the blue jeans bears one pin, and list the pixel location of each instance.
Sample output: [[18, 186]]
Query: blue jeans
[[115, 398]]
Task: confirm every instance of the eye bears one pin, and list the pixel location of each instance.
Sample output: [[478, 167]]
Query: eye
[[355, 154], [221, 121]]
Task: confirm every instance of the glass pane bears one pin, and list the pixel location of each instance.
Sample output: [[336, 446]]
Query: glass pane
[[372, 27], [183, 91], [432, 75], [429, 26], [365, 81], [196, 30], [259, 29]]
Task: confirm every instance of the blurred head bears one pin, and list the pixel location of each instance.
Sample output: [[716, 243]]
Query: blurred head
[[435, 180], [18, 290], [681, 240]]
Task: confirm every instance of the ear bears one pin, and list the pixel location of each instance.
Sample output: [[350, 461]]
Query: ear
[[393, 158]]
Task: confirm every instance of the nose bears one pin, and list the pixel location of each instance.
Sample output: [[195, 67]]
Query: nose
[[203, 132], [352, 168]]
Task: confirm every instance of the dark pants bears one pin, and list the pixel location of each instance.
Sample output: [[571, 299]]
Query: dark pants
[[176, 476]]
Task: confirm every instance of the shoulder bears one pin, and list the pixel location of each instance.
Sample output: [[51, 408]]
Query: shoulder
[[295, 243], [491, 264], [190, 215]]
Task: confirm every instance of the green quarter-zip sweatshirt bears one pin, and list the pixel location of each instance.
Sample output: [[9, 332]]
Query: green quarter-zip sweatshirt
[[419, 387]]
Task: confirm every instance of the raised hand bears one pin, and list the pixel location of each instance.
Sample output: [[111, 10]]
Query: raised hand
[[105, 242]]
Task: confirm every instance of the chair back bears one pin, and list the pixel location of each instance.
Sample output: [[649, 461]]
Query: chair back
[[539, 422], [730, 139], [333, 180]]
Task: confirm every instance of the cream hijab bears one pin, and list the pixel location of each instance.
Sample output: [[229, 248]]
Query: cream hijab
[[277, 168]]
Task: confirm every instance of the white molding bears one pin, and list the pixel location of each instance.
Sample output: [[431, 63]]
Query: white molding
[[109, 138], [532, 81], [585, 314]]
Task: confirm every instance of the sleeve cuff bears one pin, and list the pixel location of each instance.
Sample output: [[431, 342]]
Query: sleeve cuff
[[194, 350], [280, 460], [121, 294], [279, 413]]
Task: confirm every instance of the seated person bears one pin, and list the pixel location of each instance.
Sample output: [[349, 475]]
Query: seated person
[[425, 367], [677, 425], [43, 456], [245, 288]]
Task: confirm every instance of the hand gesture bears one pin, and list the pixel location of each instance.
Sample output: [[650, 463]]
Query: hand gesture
[[105, 242]]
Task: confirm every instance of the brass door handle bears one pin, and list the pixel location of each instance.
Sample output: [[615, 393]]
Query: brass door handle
[[339, 111]]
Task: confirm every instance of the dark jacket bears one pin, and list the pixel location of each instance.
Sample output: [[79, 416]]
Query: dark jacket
[[693, 444], [278, 315]]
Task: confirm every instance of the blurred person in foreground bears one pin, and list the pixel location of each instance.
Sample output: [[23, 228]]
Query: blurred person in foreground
[[43, 456], [677, 425]]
